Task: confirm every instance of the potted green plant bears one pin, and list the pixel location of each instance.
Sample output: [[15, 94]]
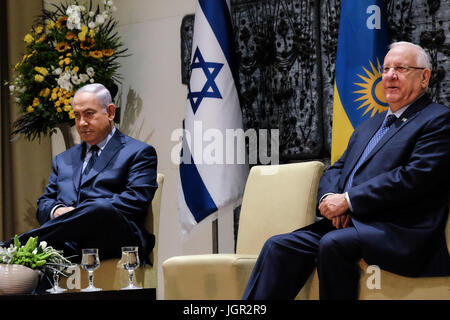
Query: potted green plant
[[22, 265]]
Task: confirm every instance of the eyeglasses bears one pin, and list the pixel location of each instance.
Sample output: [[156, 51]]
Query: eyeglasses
[[400, 69]]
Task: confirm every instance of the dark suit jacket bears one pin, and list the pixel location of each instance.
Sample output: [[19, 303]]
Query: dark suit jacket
[[123, 178], [400, 195]]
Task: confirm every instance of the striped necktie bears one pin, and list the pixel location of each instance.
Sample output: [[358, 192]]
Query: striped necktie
[[372, 143], [94, 155]]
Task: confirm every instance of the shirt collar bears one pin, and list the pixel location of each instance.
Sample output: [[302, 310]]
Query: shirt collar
[[400, 111], [101, 145]]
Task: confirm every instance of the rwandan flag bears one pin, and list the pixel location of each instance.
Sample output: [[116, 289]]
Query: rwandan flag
[[362, 45]]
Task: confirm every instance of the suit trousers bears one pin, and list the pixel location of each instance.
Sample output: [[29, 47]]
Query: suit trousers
[[92, 224], [286, 261]]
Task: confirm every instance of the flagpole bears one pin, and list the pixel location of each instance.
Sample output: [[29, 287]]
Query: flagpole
[[215, 235]]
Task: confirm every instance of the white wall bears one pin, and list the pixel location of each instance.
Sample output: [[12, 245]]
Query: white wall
[[153, 102]]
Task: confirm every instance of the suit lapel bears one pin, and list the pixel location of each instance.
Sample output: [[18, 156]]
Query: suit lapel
[[77, 164], [360, 144], [112, 147], [405, 118]]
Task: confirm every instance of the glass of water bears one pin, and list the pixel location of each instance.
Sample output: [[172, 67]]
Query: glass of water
[[56, 288], [90, 262], [130, 261]]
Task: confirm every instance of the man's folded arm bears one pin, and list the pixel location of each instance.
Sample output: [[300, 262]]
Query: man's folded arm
[[48, 202], [141, 185]]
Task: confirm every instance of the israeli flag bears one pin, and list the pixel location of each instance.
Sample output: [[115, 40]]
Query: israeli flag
[[212, 170]]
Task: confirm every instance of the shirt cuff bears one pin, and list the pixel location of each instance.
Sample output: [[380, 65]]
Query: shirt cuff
[[53, 210], [348, 201], [324, 196]]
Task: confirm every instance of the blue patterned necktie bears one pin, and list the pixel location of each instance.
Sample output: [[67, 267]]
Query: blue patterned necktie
[[372, 143], [94, 155]]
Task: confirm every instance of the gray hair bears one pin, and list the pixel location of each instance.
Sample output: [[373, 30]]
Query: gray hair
[[100, 91], [423, 59]]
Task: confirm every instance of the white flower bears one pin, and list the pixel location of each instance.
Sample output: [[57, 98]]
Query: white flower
[[74, 18], [90, 71], [92, 80], [84, 77], [91, 25], [43, 244], [57, 71], [100, 19], [110, 3], [11, 88], [91, 14], [64, 81], [75, 80]]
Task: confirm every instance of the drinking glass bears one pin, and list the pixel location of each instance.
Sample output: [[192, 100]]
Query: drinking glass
[[130, 261], [56, 288], [90, 262]]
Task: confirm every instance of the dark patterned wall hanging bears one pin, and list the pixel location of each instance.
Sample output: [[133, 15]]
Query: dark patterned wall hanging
[[287, 50]]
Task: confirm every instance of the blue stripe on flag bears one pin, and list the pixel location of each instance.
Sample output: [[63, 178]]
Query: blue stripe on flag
[[221, 26], [196, 194]]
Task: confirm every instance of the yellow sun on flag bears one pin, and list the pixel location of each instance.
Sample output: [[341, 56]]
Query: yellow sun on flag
[[372, 95]]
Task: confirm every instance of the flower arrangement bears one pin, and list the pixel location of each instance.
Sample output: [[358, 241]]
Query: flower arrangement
[[34, 256], [68, 47]]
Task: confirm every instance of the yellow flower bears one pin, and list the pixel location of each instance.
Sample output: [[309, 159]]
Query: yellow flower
[[108, 52], [44, 92], [67, 108], [62, 46], [87, 44], [71, 114], [67, 60], [28, 38], [61, 22], [58, 103], [41, 39], [38, 78], [39, 29], [50, 24], [82, 34], [76, 69], [96, 54], [91, 33], [30, 109], [36, 102], [41, 70], [71, 35], [54, 96], [59, 110]]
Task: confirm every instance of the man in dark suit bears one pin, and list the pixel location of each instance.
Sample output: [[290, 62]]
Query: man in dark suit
[[385, 200], [99, 191]]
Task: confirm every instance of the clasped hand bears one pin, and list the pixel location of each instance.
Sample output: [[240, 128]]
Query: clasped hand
[[61, 210], [334, 208]]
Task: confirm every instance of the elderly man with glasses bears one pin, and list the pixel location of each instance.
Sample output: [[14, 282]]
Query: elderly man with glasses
[[385, 200]]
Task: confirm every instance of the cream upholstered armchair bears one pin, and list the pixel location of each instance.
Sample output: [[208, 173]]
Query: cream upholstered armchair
[[275, 204], [277, 199], [111, 275]]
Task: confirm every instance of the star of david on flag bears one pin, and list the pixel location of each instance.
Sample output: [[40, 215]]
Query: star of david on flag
[[209, 90], [205, 186]]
